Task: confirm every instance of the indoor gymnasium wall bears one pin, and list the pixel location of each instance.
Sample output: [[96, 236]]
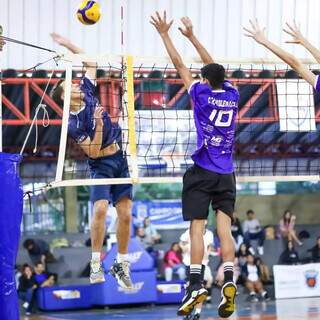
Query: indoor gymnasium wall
[[270, 209], [218, 24]]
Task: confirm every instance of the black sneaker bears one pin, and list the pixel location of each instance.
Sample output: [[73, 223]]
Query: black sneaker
[[265, 296], [227, 305], [196, 316], [253, 298], [121, 271], [194, 294]]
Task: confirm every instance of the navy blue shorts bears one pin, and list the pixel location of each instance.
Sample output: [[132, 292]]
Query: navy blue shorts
[[115, 166]]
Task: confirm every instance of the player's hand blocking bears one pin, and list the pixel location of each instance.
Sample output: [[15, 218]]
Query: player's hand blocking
[[187, 31], [256, 32], [294, 31], [160, 23], [62, 41], [2, 43], [98, 115]]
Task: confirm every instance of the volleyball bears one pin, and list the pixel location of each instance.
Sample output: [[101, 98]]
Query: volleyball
[[89, 12]]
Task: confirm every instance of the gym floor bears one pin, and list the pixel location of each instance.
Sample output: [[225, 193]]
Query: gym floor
[[291, 309]]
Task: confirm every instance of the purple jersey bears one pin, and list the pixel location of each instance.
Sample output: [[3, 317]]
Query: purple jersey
[[214, 116], [82, 124]]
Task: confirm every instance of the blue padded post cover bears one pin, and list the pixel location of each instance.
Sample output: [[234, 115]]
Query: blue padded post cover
[[11, 204]]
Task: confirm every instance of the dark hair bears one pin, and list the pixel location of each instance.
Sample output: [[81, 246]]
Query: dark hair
[[27, 243], [214, 73], [37, 263], [56, 93], [250, 212], [285, 220]]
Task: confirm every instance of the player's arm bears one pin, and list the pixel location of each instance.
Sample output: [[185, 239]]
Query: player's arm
[[298, 38], [91, 67], [258, 35], [163, 27], [92, 147], [187, 31]]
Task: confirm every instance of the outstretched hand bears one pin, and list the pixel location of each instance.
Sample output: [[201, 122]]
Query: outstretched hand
[[98, 115], [294, 31], [256, 32], [2, 43], [161, 23], [59, 39], [187, 31]]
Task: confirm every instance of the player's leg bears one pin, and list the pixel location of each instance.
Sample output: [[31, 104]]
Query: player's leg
[[252, 293], [98, 230], [121, 267], [223, 200], [195, 205]]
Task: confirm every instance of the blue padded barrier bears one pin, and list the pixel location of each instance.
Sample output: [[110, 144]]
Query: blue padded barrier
[[11, 205], [170, 292]]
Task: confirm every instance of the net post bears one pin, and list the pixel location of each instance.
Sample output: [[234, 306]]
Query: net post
[[131, 120], [64, 126]]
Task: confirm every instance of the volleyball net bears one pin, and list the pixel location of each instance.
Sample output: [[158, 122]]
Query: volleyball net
[[276, 133]]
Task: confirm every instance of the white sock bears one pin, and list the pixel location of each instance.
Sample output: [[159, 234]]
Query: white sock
[[96, 256], [122, 257], [197, 310]]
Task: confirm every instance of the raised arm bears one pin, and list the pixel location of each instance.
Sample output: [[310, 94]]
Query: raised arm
[[163, 27], [258, 35], [298, 38], [187, 31], [91, 67]]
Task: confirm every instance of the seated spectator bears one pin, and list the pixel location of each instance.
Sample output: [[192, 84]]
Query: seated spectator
[[42, 278], [252, 278], [286, 225], [208, 239], [151, 231], [315, 251], [220, 273], [145, 241], [242, 254], [173, 263], [264, 271], [236, 231], [39, 250], [252, 230], [26, 288], [289, 255]]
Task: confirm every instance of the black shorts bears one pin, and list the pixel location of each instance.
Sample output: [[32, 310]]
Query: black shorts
[[202, 187]]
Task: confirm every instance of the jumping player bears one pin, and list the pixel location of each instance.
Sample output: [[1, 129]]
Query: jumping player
[[259, 36], [100, 139], [211, 179]]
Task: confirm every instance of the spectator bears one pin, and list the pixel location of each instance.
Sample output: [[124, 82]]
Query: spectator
[[173, 263], [315, 251], [42, 278], [26, 288], [287, 224], [252, 277], [289, 255], [208, 239], [151, 231], [145, 241], [242, 254], [236, 231], [252, 230], [264, 271], [39, 251]]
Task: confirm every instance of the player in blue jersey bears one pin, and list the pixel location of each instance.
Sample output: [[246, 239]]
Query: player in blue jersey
[[100, 139], [211, 179], [259, 36]]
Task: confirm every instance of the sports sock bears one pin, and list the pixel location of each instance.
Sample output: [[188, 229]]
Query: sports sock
[[203, 268], [195, 273], [121, 257], [228, 271], [95, 256], [197, 310]]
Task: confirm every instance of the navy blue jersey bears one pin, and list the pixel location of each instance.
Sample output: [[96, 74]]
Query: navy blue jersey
[[82, 124]]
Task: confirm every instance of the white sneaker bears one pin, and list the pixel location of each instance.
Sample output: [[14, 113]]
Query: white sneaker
[[260, 251], [25, 305], [96, 272]]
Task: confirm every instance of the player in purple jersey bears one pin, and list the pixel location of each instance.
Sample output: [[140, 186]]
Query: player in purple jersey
[[100, 139], [259, 36], [211, 179]]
